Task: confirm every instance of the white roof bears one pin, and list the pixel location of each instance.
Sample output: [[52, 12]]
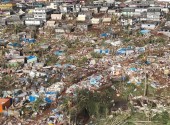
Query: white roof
[[95, 20], [21, 12], [56, 16], [111, 11], [50, 22], [81, 17], [107, 20], [104, 9]]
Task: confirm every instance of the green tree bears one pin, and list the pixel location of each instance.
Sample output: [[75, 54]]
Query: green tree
[[163, 118], [37, 104], [96, 55], [96, 103]]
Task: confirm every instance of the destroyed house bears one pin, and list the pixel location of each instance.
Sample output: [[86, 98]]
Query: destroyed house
[[95, 21], [165, 30], [83, 26], [3, 21], [106, 21], [65, 8], [7, 6], [154, 13], [60, 30], [141, 4], [149, 25], [51, 23], [4, 104], [56, 16], [128, 11], [14, 19]]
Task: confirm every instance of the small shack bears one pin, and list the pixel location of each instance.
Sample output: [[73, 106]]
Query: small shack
[[4, 104]]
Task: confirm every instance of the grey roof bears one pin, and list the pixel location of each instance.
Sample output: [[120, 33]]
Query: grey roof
[[128, 9], [154, 9]]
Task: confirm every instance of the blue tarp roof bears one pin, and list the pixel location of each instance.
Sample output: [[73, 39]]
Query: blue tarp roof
[[32, 98], [106, 51], [58, 65], [58, 53], [123, 50], [29, 40], [104, 34], [48, 100], [144, 31], [31, 57], [2, 41], [51, 93], [5, 1], [95, 80], [141, 49], [133, 69], [15, 44]]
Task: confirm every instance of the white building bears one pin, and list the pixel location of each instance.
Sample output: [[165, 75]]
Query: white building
[[95, 21], [81, 17], [154, 13], [168, 1], [53, 5], [42, 14], [56, 16], [149, 26], [51, 23], [33, 22]]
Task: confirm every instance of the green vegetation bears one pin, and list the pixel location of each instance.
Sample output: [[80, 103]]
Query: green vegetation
[[163, 118], [81, 61], [140, 118], [51, 59], [95, 104], [96, 55], [126, 40], [37, 104]]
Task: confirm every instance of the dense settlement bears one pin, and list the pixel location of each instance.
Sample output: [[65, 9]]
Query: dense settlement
[[68, 62]]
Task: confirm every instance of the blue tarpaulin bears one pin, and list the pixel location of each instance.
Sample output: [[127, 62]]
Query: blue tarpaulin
[[144, 31], [133, 69], [128, 82], [5, 1], [32, 98], [101, 51], [29, 40], [58, 65], [138, 83], [15, 44], [123, 78], [141, 49], [121, 51], [124, 50], [106, 51], [48, 100], [104, 35], [95, 80], [58, 53], [31, 57], [51, 93]]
